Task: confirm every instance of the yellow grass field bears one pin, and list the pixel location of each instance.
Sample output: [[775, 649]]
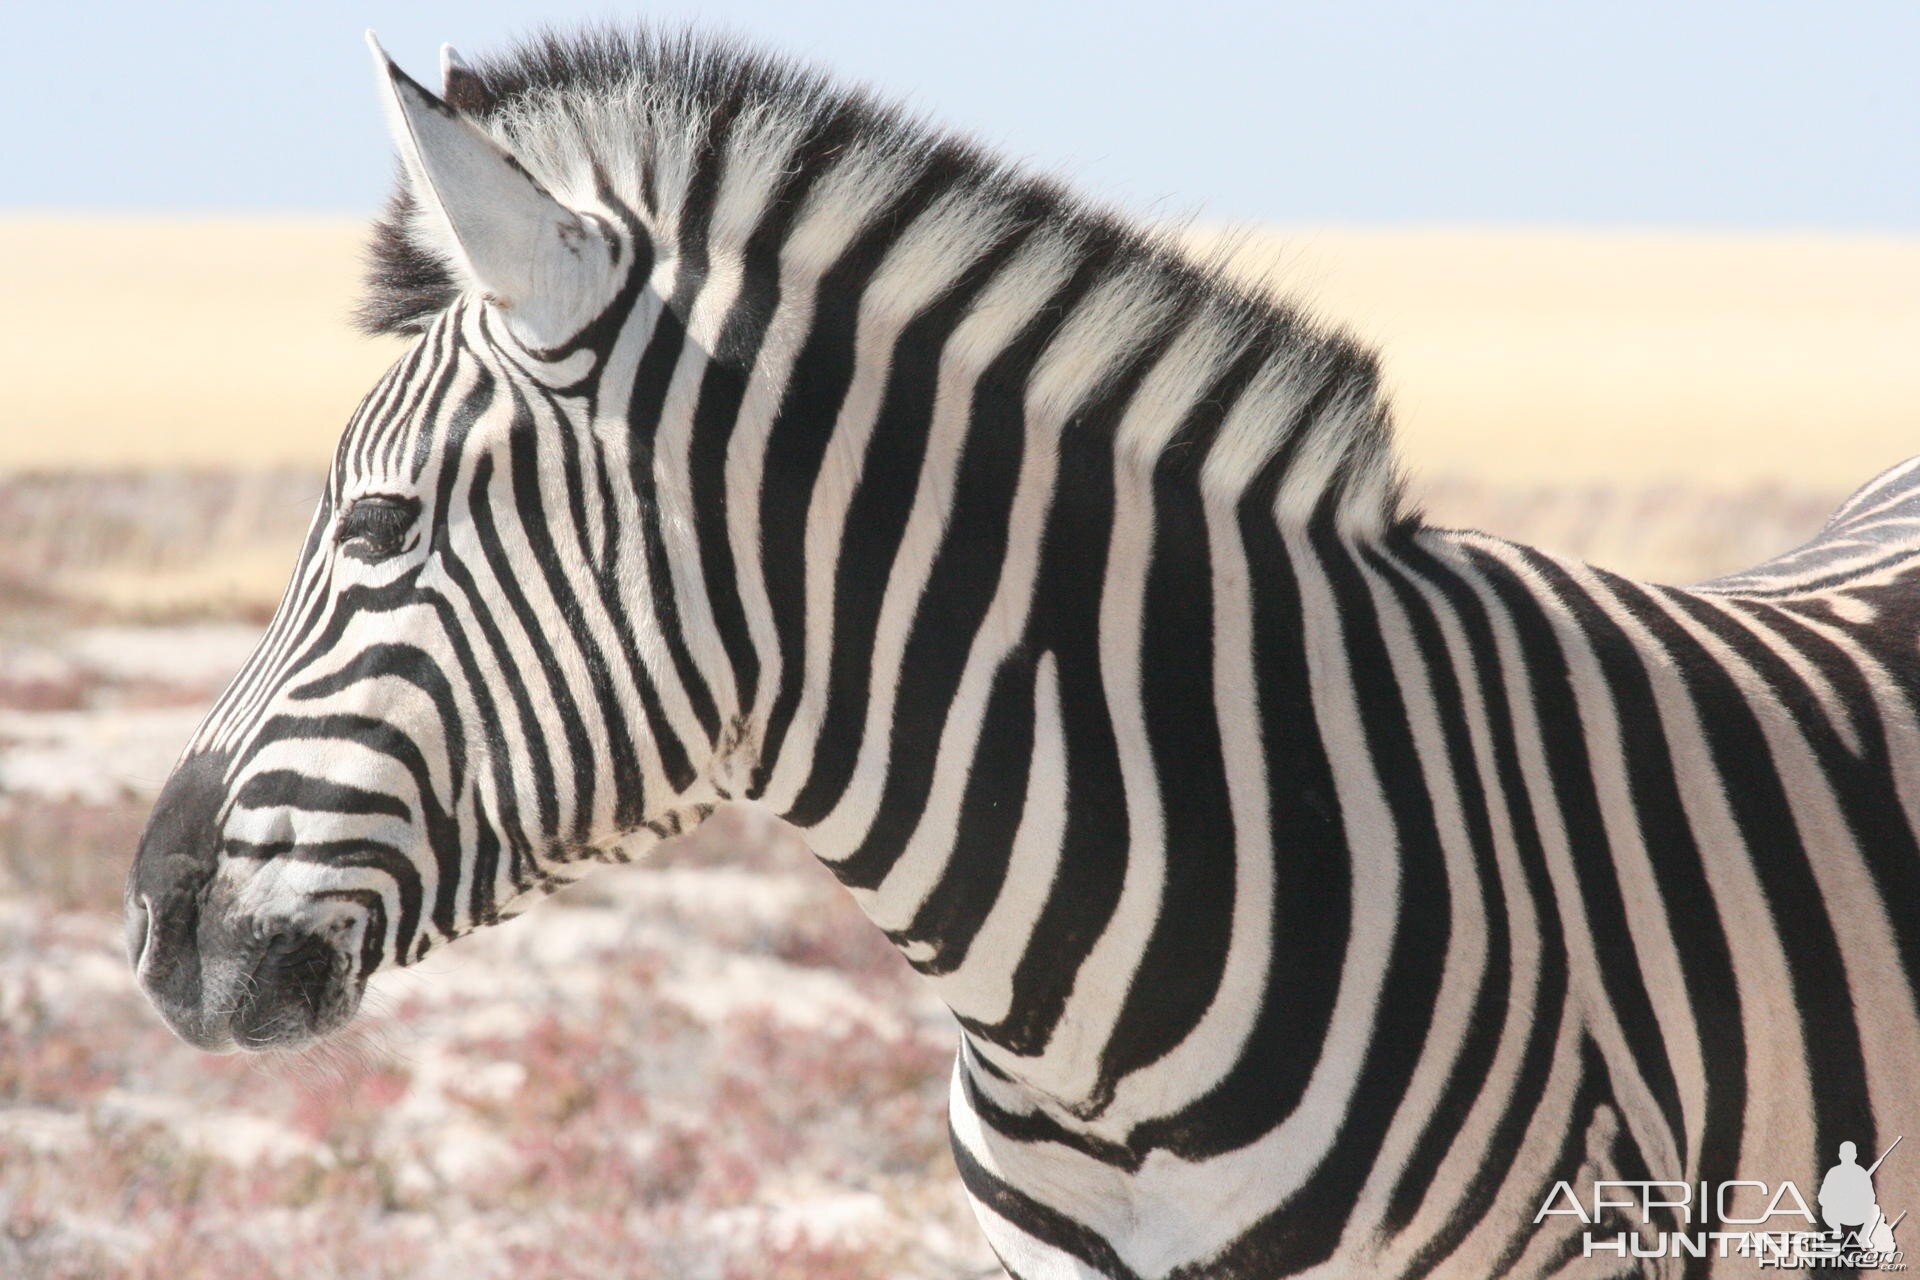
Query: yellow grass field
[[1531, 357], [1516, 357]]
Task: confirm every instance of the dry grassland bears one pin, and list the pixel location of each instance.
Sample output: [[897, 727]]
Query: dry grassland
[[1529, 357], [1516, 357], [191, 343]]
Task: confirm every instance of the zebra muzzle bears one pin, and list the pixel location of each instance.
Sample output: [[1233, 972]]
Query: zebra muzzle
[[222, 985], [224, 977]]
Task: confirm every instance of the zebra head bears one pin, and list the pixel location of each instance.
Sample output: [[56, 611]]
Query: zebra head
[[467, 693]]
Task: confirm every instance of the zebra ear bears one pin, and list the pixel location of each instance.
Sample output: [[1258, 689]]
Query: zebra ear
[[548, 268]]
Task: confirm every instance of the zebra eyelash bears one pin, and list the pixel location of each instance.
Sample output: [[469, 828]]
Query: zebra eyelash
[[375, 527]]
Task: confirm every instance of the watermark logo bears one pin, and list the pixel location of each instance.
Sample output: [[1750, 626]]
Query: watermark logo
[[1773, 1224]]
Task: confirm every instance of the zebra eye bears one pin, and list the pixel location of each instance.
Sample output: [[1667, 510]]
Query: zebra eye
[[375, 527]]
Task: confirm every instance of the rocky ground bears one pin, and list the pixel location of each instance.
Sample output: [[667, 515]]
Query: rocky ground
[[707, 1067]]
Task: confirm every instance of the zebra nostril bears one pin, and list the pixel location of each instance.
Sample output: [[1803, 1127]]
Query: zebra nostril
[[139, 927]]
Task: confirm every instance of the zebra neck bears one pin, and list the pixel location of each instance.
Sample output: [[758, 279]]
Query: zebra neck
[[1007, 678], [995, 506]]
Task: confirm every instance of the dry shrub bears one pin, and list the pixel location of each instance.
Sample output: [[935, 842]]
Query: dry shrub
[[166, 545], [829, 932], [70, 690], [806, 1259], [68, 854]]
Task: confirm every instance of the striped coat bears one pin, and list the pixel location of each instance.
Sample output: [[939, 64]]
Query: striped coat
[[1317, 892]]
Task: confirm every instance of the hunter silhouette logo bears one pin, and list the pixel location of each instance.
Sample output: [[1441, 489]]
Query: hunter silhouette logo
[[1848, 1205], [1772, 1224]]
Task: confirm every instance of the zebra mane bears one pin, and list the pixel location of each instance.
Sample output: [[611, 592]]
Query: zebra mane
[[1247, 387]]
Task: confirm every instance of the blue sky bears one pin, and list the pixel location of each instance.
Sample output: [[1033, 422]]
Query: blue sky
[[1686, 113]]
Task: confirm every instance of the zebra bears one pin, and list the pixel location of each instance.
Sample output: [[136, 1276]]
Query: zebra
[[1317, 891]]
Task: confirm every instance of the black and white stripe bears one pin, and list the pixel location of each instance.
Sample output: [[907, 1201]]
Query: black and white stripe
[[1315, 888]]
